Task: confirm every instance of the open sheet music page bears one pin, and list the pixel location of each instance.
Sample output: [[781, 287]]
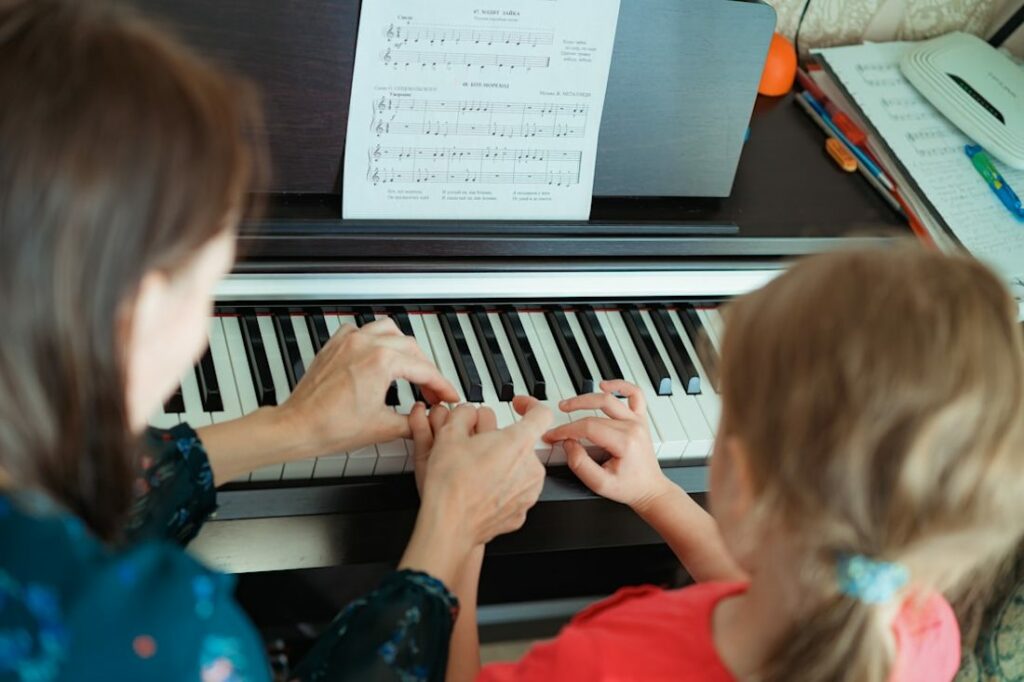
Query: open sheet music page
[[931, 151], [477, 109]]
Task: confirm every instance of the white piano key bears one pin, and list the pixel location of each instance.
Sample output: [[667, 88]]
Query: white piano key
[[194, 415], [225, 375], [698, 432], [671, 432], [298, 470], [362, 461], [542, 449], [225, 378], [274, 472], [588, 356], [392, 457], [330, 466], [711, 319], [303, 341], [163, 420], [709, 401], [627, 373], [301, 469], [239, 368], [442, 354], [502, 411], [556, 379], [419, 331]]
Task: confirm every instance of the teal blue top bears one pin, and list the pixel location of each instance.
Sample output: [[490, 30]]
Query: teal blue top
[[72, 608]]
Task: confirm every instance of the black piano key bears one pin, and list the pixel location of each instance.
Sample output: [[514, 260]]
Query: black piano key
[[365, 316], [469, 376], [677, 352], [701, 342], [648, 352], [317, 326], [525, 357], [176, 403], [293, 367], [256, 354], [401, 318], [569, 349], [209, 389], [599, 346], [500, 376]]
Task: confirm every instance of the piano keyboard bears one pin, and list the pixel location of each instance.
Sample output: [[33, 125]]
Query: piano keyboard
[[257, 354]]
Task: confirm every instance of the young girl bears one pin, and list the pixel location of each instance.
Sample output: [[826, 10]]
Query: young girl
[[870, 459]]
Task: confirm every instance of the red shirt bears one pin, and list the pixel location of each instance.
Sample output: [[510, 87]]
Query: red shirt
[[646, 633]]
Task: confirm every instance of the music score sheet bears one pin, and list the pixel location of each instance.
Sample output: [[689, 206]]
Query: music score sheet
[[931, 149], [475, 109]]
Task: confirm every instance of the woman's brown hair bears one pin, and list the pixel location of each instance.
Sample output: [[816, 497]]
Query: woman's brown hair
[[120, 153], [881, 396]]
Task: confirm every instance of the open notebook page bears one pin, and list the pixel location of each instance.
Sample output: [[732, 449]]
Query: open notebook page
[[931, 151]]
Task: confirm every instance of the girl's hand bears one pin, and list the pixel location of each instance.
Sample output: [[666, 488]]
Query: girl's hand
[[631, 475], [339, 403]]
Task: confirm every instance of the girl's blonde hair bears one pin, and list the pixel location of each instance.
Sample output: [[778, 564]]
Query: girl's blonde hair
[[881, 395]]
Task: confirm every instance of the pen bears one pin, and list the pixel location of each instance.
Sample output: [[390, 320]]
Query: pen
[[842, 121], [857, 151], [872, 180], [985, 167]]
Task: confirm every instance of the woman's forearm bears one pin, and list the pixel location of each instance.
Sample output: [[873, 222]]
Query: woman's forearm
[[464, 655], [691, 533], [267, 436]]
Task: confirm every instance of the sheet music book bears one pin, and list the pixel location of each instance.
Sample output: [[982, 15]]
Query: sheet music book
[[475, 109], [928, 152]]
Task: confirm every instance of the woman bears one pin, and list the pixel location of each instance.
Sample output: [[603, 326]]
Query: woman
[[125, 163]]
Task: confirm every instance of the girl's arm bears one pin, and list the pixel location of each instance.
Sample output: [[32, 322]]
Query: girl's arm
[[632, 476]]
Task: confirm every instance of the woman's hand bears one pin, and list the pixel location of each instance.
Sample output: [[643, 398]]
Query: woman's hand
[[477, 482], [631, 475], [339, 403]]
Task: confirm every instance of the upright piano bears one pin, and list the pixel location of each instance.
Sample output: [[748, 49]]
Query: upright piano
[[547, 309]]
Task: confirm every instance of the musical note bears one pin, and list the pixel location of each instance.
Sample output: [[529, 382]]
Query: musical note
[[441, 35], [408, 58]]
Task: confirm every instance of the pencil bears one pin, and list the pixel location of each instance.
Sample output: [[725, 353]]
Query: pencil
[[882, 189]]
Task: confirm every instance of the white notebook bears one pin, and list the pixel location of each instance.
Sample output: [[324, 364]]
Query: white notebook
[[929, 153]]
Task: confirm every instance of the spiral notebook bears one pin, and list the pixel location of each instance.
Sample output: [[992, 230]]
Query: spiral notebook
[[924, 153]]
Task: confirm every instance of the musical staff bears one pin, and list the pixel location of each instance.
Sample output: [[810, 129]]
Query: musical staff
[[476, 112], [409, 58], [480, 165], [430, 34], [443, 118], [554, 178]]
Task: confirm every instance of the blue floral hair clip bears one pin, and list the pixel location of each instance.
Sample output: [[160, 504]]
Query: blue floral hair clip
[[870, 581]]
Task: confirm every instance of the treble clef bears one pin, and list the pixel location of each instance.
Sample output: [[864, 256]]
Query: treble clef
[[382, 105], [390, 33], [375, 178], [377, 153], [381, 129], [387, 56]]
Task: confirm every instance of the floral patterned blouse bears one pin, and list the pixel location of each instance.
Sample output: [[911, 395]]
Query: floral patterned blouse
[[72, 608]]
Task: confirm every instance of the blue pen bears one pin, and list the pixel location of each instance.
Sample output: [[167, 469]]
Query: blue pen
[[987, 169], [864, 159]]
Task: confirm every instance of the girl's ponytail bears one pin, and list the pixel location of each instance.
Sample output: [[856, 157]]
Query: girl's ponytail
[[848, 636]]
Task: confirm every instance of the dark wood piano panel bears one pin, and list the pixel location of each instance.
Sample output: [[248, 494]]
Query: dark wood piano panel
[[300, 52]]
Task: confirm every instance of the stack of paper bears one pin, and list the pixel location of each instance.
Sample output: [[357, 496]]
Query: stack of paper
[[924, 153]]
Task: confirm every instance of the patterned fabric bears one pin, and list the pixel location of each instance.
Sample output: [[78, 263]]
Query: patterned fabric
[[998, 655], [843, 22], [74, 609]]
